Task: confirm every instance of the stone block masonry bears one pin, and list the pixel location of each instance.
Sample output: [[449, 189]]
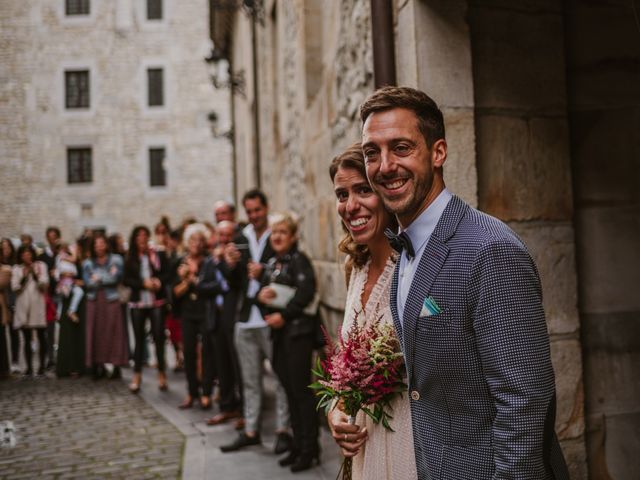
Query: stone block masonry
[[116, 44]]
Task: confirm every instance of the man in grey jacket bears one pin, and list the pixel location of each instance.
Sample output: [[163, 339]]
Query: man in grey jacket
[[467, 305]]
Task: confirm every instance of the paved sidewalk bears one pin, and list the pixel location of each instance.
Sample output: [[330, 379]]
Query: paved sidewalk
[[203, 458], [85, 429]]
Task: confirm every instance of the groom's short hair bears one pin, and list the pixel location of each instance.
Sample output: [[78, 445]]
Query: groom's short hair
[[430, 119]]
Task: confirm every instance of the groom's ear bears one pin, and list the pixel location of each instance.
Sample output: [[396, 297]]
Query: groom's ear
[[439, 153]]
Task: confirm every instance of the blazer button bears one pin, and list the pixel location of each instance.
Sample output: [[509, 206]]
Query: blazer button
[[415, 395]]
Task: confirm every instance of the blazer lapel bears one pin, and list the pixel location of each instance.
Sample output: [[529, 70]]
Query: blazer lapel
[[393, 303], [433, 257], [431, 262]]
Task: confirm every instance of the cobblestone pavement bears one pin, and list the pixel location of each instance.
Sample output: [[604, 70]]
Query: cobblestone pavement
[[203, 458], [85, 429]]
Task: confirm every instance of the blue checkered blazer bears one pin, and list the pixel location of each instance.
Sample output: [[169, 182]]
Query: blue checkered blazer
[[480, 376]]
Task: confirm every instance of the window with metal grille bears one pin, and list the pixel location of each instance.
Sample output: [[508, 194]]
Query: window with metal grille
[[155, 83], [154, 9], [76, 84], [157, 172], [76, 7], [79, 168]]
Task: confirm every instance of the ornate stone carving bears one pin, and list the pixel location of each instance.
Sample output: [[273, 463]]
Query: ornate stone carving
[[354, 64]]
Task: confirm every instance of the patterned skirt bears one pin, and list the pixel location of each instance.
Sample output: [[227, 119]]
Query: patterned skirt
[[106, 338]]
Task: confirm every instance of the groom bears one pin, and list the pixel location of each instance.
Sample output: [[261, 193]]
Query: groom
[[467, 306]]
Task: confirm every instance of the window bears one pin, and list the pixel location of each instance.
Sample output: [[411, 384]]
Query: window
[[79, 169], [154, 9], [76, 84], [155, 87], [77, 7], [157, 172]]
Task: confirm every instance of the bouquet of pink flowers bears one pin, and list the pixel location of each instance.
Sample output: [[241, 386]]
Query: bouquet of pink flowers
[[362, 372]]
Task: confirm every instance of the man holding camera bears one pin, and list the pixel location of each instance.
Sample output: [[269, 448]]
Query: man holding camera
[[252, 334]]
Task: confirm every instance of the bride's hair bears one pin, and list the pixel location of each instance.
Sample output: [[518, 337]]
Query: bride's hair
[[358, 255]]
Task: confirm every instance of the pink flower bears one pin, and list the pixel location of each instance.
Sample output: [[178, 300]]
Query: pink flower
[[364, 371]]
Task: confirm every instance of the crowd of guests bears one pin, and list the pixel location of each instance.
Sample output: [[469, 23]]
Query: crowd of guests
[[228, 296]]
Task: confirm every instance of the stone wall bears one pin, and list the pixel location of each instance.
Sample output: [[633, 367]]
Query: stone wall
[[429, 36], [507, 131], [117, 44], [603, 52], [307, 108], [524, 172]]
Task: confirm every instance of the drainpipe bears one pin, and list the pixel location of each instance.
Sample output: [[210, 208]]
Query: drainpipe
[[384, 58], [232, 139], [256, 103]]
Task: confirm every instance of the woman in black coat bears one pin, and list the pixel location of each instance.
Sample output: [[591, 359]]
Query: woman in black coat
[[197, 287], [145, 274], [293, 329]]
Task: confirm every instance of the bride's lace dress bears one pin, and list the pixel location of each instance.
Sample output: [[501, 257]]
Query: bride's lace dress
[[385, 455]]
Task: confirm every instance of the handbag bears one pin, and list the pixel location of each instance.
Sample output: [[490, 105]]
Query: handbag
[[124, 293]]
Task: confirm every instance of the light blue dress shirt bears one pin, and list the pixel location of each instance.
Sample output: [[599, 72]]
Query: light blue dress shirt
[[419, 232]]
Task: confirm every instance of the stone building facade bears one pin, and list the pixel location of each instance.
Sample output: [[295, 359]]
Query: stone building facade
[[143, 117], [541, 102]]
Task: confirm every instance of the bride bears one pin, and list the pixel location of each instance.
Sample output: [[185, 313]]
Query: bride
[[377, 452]]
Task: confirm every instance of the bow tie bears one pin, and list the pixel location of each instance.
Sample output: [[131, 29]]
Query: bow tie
[[400, 242]]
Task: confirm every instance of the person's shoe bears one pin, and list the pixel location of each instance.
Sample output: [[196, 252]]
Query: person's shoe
[[116, 374], [242, 441], [283, 443], [163, 386], [40, 372], [98, 372], [216, 394], [222, 417], [136, 380], [239, 424], [179, 366], [187, 403], [290, 459], [305, 461], [205, 402]]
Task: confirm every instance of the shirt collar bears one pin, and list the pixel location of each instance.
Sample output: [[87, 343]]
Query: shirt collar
[[249, 230], [256, 246], [422, 227]]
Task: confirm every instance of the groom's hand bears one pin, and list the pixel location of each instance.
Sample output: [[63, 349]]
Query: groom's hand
[[350, 438]]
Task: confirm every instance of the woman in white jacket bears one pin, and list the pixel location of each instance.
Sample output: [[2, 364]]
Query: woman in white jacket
[[29, 280]]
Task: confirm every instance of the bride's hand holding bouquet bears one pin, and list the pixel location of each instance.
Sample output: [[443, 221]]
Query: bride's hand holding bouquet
[[362, 372]]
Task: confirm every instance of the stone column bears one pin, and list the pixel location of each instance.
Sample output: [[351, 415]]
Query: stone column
[[524, 174], [603, 49], [433, 52]]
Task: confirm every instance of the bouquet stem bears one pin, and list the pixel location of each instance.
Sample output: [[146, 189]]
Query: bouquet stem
[[347, 463]]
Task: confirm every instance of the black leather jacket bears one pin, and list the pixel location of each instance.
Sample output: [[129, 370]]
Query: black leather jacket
[[206, 289], [132, 277], [295, 270]]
